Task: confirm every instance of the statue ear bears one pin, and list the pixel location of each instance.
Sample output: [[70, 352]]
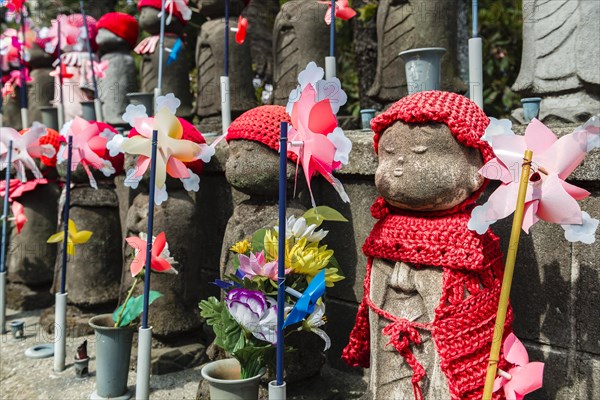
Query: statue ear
[[476, 180]]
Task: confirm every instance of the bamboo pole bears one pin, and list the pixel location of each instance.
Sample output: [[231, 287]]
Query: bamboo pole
[[509, 269]]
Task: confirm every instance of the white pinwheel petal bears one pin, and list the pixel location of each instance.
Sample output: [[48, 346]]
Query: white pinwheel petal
[[478, 221], [343, 145], [192, 183], [585, 233]]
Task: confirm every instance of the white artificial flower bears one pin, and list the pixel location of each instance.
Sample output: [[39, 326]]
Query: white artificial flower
[[131, 180], [478, 221], [114, 145], [267, 93], [343, 145], [206, 152], [297, 227], [64, 131], [169, 102], [160, 195], [497, 127], [191, 184], [585, 233], [313, 323], [134, 111]]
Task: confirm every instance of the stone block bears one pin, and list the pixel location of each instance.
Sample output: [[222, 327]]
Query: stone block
[[587, 377], [558, 382], [23, 298], [587, 288], [172, 359], [341, 316]]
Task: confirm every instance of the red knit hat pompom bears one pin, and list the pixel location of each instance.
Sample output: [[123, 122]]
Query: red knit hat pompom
[[157, 4], [261, 124], [52, 138], [123, 25], [189, 133], [464, 118]]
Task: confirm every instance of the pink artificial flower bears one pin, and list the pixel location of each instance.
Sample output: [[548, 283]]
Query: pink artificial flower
[[256, 265], [158, 263]]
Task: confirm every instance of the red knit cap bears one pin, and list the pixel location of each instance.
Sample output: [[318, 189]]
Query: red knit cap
[[466, 120], [123, 25], [189, 133], [157, 4], [51, 137], [261, 124]]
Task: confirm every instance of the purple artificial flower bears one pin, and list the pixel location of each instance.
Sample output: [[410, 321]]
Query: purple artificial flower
[[256, 265], [254, 312]]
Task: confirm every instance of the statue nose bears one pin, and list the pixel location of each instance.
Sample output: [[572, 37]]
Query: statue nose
[[402, 278]]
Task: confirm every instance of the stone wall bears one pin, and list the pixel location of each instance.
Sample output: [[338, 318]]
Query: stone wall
[[554, 292]]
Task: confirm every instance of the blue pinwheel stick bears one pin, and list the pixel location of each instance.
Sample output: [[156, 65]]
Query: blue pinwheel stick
[[281, 249], [63, 275], [5, 209]]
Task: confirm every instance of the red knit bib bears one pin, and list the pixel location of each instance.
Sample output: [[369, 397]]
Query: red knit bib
[[463, 326]]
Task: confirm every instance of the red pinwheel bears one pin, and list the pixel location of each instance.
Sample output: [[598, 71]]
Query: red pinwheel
[[13, 5], [18, 215], [160, 260], [242, 28], [342, 10], [16, 188], [524, 377]]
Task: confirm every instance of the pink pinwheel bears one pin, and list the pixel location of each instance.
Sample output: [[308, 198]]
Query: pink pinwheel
[[13, 81], [18, 215], [320, 145], [160, 258], [549, 197], [524, 377], [342, 10], [88, 148], [26, 147], [13, 5], [242, 28], [70, 32], [256, 265], [10, 53], [16, 188], [147, 45]]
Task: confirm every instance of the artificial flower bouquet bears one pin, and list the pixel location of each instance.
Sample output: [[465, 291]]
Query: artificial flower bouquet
[[245, 321]]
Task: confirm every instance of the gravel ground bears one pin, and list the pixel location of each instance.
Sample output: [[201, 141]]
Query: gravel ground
[[25, 378]]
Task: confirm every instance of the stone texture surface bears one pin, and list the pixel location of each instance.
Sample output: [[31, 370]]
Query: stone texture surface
[[410, 25], [176, 312], [11, 111], [211, 66], [120, 78], [166, 360], [24, 298], [298, 38], [216, 8], [30, 259], [40, 92], [93, 273], [558, 64], [260, 35]]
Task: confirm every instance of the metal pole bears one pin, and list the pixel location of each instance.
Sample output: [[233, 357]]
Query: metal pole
[[281, 254]]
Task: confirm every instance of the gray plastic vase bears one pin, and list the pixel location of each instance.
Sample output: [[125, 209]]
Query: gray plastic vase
[[113, 352], [145, 99], [423, 68], [223, 377]]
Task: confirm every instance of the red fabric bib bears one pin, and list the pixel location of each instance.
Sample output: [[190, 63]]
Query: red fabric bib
[[463, 326]]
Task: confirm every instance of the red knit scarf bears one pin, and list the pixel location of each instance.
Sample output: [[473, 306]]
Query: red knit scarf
[[463, 326]]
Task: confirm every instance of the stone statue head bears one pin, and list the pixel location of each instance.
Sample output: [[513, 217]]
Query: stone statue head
[[117, 31], [430, 151], [150, 22], [109, 42], [253, 163]]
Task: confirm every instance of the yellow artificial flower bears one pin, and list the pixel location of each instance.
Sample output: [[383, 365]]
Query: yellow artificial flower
[[241, 247], [74, 237]]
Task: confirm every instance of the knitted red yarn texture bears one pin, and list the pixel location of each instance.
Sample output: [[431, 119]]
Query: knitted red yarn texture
[[463, 326], [261, 124], [464, 118], [123, 25], [157, 4], [52, 138]]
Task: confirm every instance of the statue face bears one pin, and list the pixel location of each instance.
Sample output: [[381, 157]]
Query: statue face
[[423, 167], [253, 168], [150, 22], [109, 41]]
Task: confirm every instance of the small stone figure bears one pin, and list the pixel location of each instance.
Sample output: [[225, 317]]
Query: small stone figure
[[210, 61], [176, 312], [175, 78], [117, 36], [41, 88], [560, 61], [405, 25], [77, 78], [432, 285], [300, 36]]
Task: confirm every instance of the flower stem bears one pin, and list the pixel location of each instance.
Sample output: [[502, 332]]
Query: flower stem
[[129, 294]]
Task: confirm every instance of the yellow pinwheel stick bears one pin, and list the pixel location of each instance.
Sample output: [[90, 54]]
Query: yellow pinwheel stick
[[74, 237]]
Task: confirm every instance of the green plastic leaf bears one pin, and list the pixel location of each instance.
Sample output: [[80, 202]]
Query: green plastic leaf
[[134, 308], [229, 334], [258, 240], [322, 213], [251, 359]]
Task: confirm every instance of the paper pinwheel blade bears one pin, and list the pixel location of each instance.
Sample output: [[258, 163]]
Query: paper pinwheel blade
[[306, 304]]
